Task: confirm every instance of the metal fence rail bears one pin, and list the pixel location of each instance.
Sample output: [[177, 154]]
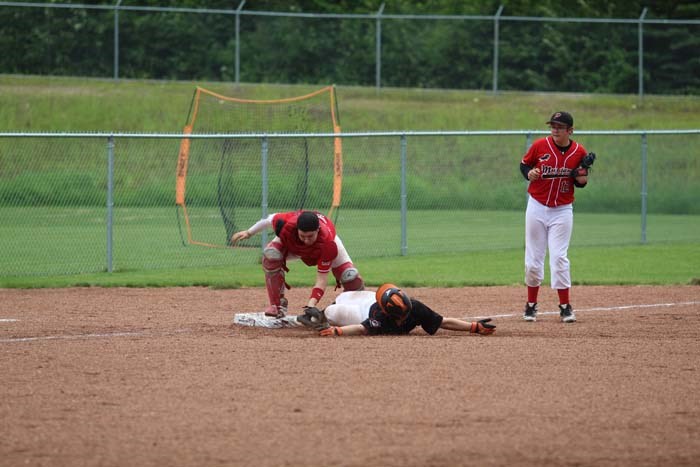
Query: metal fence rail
[[378, 18], [90, 202]]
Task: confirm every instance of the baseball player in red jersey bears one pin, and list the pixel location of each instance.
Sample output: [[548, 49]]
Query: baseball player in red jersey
[[554, 165], [309, 236], [390, 310]]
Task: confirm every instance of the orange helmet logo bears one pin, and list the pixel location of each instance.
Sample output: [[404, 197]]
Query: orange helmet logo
[[393, 301]]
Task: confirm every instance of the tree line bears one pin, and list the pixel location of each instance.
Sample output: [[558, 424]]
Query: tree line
[[431, 53]]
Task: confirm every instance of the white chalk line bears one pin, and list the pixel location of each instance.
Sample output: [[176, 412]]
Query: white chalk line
[[8, 320], [90, 336], [608, 308]]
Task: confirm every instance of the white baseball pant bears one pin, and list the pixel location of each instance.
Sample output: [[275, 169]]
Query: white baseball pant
[[350, 308], [548, 228]]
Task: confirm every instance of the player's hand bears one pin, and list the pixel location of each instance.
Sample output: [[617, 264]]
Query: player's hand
[[242, 235], [483, 327], [331, 331], [579, 172], [534, 174]]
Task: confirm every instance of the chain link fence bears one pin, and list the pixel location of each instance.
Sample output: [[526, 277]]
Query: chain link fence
[[81, 203]]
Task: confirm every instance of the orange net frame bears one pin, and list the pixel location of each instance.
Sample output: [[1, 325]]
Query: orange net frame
[[211, 113]]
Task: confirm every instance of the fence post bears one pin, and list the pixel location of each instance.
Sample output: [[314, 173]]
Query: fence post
[[640, 53], [528, 143], [116, 39], [238, 42], [496, 31], [264, 187], [644, 187], [110, 200], [378, 49], [404, 197]]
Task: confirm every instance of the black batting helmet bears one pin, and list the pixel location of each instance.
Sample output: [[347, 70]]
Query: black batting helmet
[[393, 301]]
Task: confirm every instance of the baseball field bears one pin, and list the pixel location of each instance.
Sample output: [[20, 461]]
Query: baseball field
[[160, 376], [144, 366]]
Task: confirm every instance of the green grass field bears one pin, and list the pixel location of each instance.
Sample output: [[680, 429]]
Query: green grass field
[[659, 264], [444, 248], [31, 103], [447, 248]]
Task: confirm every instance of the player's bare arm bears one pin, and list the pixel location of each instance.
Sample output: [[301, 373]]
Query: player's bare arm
[[454, 324], [474, 327]]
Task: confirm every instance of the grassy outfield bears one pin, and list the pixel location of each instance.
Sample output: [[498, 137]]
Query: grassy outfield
[[47, 247], [649, 264], [30, 103], [605, 249]]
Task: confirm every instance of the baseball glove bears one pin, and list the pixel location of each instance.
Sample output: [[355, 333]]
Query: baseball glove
[[588, 160], [585, 166], [313, 318]]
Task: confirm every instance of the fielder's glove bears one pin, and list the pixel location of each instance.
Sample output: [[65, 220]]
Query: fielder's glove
[[483, 327], [313, 318], [331, 331], [586, 163], [588, 160]]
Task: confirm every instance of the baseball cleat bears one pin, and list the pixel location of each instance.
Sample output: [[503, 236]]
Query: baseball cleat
[[273, 310], [530, 313], [566, 313], [277, 311]]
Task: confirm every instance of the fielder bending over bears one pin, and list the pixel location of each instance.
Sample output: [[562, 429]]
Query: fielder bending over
[[309, 236]]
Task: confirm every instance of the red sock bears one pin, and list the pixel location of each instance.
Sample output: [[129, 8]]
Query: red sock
[[532, 294], [563, 296]]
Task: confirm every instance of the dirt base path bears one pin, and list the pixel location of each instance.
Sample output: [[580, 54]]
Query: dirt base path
[[153, 377]]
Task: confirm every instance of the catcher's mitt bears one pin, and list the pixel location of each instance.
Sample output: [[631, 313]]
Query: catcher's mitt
[[313, 318]]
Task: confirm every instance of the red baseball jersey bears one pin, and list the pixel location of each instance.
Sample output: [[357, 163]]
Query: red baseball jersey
[[555, 187], [321, 253]]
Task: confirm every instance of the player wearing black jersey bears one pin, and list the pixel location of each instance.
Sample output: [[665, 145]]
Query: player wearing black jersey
[[396, 313]]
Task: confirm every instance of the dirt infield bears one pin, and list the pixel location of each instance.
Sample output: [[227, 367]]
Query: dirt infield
[[146, 377]]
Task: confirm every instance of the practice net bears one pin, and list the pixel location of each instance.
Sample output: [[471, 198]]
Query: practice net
[[225, 184]]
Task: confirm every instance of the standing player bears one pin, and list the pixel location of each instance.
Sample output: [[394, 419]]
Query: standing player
[[307, 235], [388, 311], [554, 166]]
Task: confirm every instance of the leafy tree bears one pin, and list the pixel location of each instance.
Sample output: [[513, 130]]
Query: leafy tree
[[545, 56]]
